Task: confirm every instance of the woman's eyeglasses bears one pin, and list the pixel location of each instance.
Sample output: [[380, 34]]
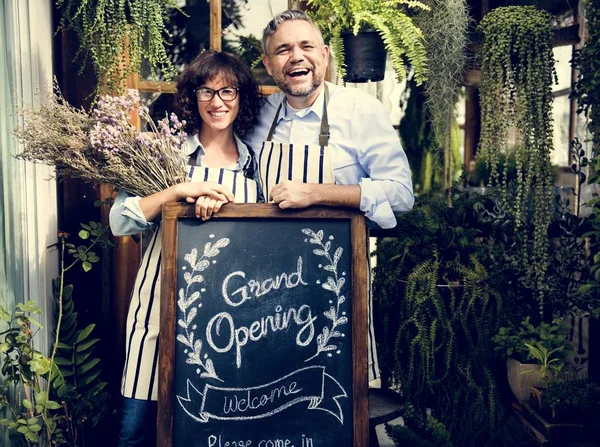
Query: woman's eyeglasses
[[205, 94]]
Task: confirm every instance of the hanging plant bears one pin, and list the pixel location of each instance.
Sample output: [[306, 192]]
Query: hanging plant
[[516, 94], [403, 40], [110, 31], [445, 29]]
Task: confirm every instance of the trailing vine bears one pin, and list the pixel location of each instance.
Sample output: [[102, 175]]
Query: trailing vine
[[516, 93], [111, 30], [445, 29]]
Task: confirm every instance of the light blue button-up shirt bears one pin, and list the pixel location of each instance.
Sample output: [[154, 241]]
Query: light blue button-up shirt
[[127, 218], [365, 148]]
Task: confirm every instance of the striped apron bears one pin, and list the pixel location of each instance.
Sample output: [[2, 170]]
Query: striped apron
[[140, 374], [308, 163]]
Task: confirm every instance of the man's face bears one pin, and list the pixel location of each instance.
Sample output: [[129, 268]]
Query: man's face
[[297, 61]]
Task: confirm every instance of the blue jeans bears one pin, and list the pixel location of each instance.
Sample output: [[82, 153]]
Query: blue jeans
[[138, 424]]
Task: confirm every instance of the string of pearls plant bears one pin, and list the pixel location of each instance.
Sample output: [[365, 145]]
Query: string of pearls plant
[[111, 30], [516, 95]]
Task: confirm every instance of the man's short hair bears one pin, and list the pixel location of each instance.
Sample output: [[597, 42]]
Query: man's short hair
[[290, 14]]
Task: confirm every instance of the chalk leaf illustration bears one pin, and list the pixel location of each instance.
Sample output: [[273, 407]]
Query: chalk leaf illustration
[[333, 284], [186, 302]]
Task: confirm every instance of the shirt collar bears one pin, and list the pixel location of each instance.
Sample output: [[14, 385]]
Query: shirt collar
[[316, 108], [193, 144]]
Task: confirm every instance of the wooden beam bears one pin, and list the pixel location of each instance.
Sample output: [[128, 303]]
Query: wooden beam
[[215, 25]]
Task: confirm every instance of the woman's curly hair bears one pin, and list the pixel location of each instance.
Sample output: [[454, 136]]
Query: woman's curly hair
[[211, 65]]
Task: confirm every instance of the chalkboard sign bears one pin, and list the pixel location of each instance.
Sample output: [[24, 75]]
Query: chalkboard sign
[[263, 337]]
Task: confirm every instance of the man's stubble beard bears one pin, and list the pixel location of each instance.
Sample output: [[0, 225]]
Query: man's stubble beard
[[300, 92]]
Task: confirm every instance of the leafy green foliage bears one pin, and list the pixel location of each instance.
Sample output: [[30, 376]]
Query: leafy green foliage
[[587, 93], [440, 312], [513, 341], [31, 412], [109, 31], [516, 92], [402, 38], [75, 397], [420, 429], [575, 400]]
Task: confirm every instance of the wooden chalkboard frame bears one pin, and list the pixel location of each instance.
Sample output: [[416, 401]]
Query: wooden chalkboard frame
[[172, 213]]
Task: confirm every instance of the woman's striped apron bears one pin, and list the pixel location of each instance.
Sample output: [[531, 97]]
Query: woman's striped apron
[[307, 163], [140, 374]]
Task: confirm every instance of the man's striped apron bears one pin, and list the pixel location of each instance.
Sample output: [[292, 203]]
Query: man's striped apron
[[307, 163]]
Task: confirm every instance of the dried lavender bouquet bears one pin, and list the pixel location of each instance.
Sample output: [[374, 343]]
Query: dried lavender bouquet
[[104, 147]]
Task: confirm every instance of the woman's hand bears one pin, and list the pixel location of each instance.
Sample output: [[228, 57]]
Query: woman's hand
[[206, 206], [209, 197], [191, 191]]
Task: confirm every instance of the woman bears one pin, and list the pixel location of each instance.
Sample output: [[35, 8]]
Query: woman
[[219, 100]]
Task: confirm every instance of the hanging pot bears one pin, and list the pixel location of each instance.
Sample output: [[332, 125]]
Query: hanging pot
[[364, 56]]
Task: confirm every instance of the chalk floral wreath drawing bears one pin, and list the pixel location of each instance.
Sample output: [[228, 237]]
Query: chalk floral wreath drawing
[[186, 302], [334, 284]]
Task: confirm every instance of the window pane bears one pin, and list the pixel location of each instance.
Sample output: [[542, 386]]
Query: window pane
[[159, 104], [244, 36], [242, 23]]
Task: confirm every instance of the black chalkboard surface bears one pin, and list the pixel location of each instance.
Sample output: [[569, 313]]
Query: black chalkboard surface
[[258, 328]]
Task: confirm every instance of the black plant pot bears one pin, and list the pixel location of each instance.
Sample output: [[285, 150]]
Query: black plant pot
[[365, 56]]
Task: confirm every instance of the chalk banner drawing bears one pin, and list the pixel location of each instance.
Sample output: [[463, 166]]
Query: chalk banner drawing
[[263, 342]]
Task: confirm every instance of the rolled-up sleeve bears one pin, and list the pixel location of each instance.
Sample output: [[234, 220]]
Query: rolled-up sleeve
[[126, 217], [387, 189]]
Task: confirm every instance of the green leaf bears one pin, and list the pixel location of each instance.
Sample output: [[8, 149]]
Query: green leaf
[[61, 345], [84, 234], [41, 397], [86, 345], [4, 315], [87, 266], [35, 427], [27, 404], [67, 291], [62, 361], [32, 421], [87, 366], [80, 358], [84, 333], [52, 405], [88, 379]]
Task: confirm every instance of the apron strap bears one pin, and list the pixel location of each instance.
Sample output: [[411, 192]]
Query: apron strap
[[323, 136]]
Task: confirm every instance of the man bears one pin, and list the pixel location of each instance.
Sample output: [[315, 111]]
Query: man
[[321, 144]]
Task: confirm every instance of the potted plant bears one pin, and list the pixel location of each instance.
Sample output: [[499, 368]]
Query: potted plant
[[534, 354], [569, 411], [361, 30]]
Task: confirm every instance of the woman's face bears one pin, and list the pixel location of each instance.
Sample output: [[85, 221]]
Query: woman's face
[[218, 114]]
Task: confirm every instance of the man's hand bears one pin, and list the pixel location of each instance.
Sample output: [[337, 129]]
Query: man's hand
[[289, 194]]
